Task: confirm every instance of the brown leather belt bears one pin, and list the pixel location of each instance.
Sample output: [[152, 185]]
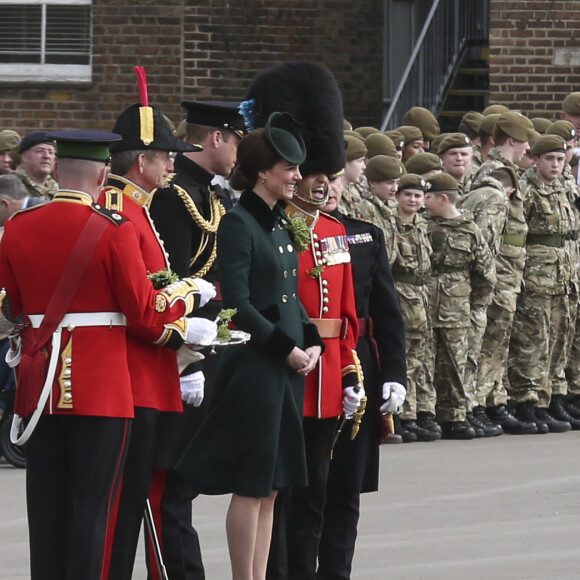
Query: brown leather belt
[[331, 327]]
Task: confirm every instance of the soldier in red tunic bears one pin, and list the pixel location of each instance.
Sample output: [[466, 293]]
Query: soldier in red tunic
[[140, 162], [76, 454]]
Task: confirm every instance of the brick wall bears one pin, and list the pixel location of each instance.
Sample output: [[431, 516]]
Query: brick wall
[[206, 50], [534, 54]]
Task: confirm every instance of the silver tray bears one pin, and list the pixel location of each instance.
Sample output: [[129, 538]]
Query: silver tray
[[236, 337]]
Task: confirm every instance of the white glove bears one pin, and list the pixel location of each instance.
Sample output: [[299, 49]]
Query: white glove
[[351, 398], [394, 396], [206, 289], [192, 388], [200, 331]]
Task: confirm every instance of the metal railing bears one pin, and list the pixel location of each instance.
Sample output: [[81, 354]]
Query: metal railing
[[448, 27]]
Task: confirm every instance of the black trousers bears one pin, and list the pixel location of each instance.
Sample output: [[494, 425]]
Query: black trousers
[[74, 465], [298, 515], [126, 525], [171, 501]]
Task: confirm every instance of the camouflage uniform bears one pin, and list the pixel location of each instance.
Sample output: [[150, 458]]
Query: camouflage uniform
[[350, 201], [375, 211], [541, 320], [462, 271], [495, 160], [489, 205], [34, 189], [410, 272]]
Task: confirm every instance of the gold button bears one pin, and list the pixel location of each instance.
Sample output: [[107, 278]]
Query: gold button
[[70, 327], [325, 300], [68, 361], [67, 384], [314, 236], [284, 298], [325, 290], [67, 372], [325, 309], [318, 254], [68, 397], [316, 245], [325, 282]]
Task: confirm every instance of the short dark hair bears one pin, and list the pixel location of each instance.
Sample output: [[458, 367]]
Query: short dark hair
[[11, 186], [122, 161]]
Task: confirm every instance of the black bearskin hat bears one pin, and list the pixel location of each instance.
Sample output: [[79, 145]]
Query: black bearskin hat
[[310, 93]]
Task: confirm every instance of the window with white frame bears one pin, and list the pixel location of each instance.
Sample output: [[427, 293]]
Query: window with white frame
[[45, 40]]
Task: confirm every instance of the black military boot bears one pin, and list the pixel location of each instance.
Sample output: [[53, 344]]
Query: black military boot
[[554, 425], [457, 430], [422, 434], [470, 419], [427, 421], [559, 412], [502, 417], [526, 413], [408, 436], [490, 429], [573, 406]]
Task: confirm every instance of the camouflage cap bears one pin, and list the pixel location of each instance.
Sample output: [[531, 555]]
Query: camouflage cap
[[9, 140], [423, 162], [442, 182], [380, 144], [516, 126], [384, 168], [549, 144], [424, 119], [366, 131], [472, 120], [454, 141], [397, 138], [410, 133], [563, 129], [571, 104], [412, 181], [492, 109], [540, 124], [488, 123], [355, 148]]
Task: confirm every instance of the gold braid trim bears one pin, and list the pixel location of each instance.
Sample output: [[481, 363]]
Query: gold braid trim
[[206, 226]]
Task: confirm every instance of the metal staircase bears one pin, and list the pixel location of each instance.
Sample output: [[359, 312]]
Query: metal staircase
[[447, 72]]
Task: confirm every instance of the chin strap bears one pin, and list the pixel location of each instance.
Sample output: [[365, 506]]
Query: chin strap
[[307, 199]]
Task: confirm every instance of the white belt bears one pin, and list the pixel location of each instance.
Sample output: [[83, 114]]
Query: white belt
[[75, 319]]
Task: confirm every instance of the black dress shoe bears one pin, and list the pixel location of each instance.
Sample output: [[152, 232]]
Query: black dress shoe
[[526, 413], [457, 430], [559, 412], [427, 421], [501, 416], [422, 434], [490, 429], [554, 425]]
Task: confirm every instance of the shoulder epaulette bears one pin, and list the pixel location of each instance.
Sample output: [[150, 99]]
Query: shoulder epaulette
[[114, 199], [111, 215]]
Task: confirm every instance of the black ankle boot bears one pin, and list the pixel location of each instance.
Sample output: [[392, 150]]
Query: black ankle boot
[[554, 425], [457, 430], [490, 429], [526, 413], [558, 411], [422, 434], [408, 436], [427, 421], [502, 417]]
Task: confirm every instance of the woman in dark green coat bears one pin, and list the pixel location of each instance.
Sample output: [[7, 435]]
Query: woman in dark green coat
[[251, 443]]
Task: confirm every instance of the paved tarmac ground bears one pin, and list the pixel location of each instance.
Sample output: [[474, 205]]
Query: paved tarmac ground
[[496, 509]]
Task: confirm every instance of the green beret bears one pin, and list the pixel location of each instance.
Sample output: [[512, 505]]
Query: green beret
[[571, 104], [516, 126], [354, 134], [563, 129], [380, 144], [533, 138], [366, 131], [384, 168], [549, 144], [9, 139], [424, 120], [472, 120], [488, 123], [410, 133], [435, 143], [412, 181], [442, 182], [397, 138], [453, 141], [540, 124], [346, 125], [355, 148], [423, 162], [492, 109]]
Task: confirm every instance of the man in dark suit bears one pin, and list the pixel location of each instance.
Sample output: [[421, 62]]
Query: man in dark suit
[[14, 197]]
